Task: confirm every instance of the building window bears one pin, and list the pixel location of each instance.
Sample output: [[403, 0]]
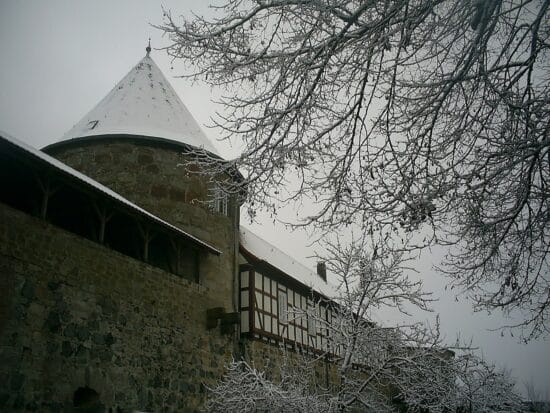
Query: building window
[[283, 307], [217, 200], [311, 324]]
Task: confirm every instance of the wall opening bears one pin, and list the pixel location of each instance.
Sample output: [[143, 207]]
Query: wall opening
[[86, 400]]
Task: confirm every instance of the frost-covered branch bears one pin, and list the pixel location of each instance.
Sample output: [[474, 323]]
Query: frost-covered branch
[[393, 115], [367, 366], [484, 388], [372, 367], [245, 389]]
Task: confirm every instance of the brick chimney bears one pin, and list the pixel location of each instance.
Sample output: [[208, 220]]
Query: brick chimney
[[322, 270]]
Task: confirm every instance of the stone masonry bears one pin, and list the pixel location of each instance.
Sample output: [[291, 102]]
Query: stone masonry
[[75, 314]]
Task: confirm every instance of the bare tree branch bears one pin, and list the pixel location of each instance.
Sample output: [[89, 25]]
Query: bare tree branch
[[393, 116]]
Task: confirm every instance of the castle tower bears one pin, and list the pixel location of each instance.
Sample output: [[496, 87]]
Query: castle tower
[[140, 140], [118, 259]]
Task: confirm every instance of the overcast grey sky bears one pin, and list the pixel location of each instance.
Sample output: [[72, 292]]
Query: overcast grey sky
[[58, 58]]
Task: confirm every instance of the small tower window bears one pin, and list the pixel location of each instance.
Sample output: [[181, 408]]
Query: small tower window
[[92, 124], [217, 200]]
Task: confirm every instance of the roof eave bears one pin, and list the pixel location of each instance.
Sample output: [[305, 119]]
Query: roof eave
[[255, 260]]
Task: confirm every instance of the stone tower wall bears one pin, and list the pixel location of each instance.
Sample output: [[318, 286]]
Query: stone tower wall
[[158, 177]]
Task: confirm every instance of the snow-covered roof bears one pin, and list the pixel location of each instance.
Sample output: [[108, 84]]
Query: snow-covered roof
[[143, 103], [263, 250], [60, 166]]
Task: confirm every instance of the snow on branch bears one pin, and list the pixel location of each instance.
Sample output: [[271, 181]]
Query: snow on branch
[[395, 116]]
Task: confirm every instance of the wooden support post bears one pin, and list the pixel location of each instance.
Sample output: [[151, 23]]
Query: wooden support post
[[47, 191], [197, 266], [44, 207], [104, 217], [147, 237], [102, 224], [177, 250], [146, 240]]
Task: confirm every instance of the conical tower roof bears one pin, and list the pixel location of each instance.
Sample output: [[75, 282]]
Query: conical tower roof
[[143, 103]]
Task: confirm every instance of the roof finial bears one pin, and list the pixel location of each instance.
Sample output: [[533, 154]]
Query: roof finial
[[148, 48]]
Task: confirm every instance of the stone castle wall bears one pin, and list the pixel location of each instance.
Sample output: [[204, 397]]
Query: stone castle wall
[[269, 357], [76, 314]]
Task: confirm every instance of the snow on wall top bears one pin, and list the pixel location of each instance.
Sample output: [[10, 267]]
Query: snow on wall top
[[96, 185], [143, 103], [267, 252]]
